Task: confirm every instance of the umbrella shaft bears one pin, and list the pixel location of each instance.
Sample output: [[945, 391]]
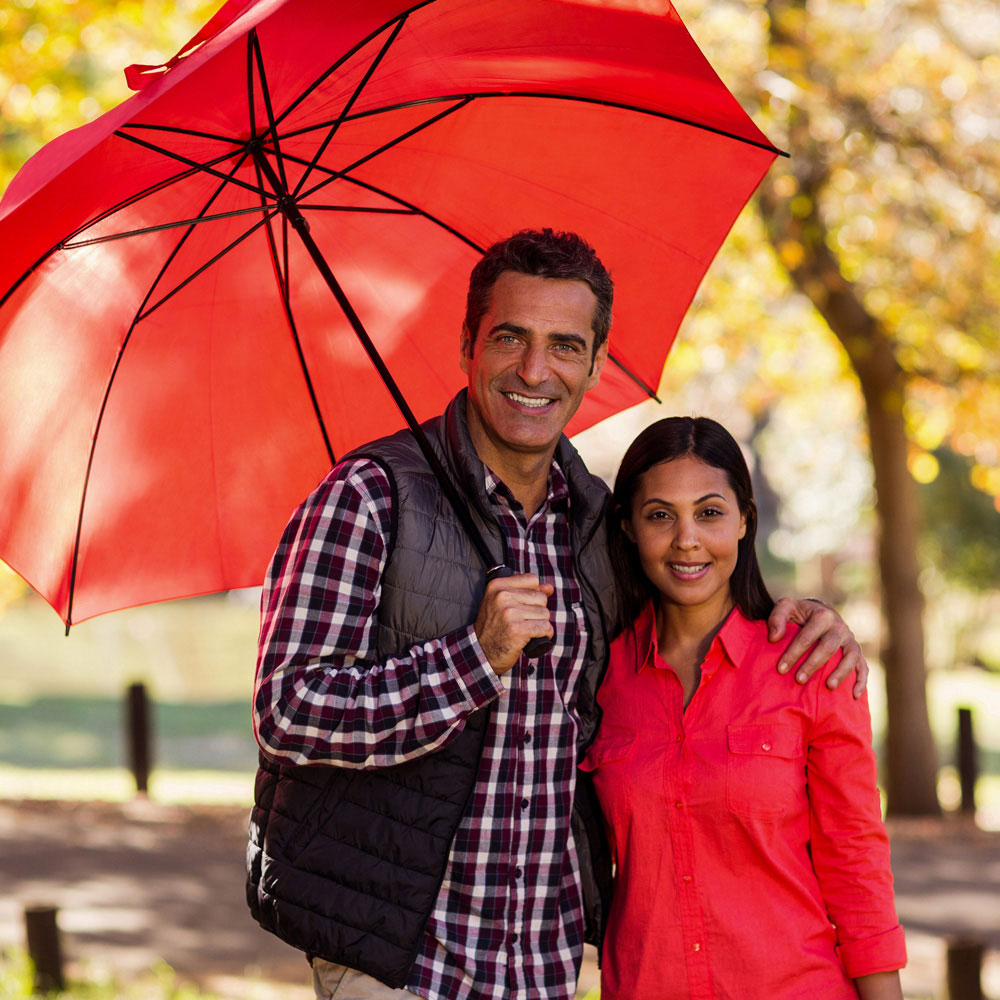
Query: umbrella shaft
[[288, 207]]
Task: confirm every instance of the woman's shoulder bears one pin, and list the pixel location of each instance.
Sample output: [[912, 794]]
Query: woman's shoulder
[[764, 655]]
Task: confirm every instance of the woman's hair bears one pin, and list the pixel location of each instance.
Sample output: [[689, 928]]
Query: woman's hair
[[711, 443]]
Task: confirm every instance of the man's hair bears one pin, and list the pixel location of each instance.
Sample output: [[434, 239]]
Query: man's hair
[[663, 441], [542, 253]]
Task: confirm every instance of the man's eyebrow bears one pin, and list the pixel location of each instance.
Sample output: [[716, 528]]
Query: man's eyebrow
[[509, 328]]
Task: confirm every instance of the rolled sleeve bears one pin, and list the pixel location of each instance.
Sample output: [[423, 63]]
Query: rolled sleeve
[[884, 952]]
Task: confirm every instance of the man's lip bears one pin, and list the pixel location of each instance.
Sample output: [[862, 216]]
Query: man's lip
[[509, 395]]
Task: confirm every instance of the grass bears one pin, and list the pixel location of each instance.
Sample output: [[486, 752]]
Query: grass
[[159, 983]]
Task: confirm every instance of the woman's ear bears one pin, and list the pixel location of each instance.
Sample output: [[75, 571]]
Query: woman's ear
[[626, 524]]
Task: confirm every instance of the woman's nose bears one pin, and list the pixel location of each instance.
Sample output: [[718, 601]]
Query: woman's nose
[[685, 535]]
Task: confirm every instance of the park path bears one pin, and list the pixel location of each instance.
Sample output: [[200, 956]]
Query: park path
[[139, 882]]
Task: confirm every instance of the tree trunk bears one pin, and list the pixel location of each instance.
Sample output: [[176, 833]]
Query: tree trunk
[[911, 759]]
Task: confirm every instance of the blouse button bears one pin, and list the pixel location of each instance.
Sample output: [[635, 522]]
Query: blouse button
[[696, 947], [765, 746]]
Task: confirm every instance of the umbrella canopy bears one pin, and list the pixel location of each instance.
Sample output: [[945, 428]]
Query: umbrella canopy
[[175, 374]]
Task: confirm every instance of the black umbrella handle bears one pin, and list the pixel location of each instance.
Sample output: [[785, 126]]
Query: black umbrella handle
[[537, 647]]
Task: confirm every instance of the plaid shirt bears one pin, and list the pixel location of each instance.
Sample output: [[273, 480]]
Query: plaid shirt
[[508, 921]]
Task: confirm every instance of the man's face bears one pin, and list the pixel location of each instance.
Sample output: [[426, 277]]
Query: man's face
[[531, 363]]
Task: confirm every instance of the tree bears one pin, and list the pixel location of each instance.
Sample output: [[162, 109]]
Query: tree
[[62, 62], [886, 219]]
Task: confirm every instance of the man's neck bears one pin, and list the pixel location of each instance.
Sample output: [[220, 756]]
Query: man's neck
[[525, 474]]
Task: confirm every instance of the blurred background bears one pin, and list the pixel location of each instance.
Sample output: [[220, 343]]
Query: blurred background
[[847, 333]]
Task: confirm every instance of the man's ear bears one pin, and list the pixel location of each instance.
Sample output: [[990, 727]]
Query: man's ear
[[465, 349]]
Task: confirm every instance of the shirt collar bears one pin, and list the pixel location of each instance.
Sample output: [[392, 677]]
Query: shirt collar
[[558, 489], [731, 644]]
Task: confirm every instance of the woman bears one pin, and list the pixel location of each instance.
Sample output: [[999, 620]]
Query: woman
[[751, 860]]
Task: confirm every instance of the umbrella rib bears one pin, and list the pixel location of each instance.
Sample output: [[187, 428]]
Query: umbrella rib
[[345, 111], [635, 378], [107, 393], [371, 210], [284, 287], [124, 203], [272, 126], [539, 94], [204, 267], [335, 175], [160, 227], [347, 55], [178, 130], [203, 167]]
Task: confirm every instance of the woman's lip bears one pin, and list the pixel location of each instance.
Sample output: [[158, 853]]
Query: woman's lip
[[697, 575]]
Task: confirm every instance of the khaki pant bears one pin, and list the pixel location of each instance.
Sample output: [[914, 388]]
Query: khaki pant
[[337, 982]]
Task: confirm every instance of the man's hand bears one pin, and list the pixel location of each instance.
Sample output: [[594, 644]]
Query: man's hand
[[825, 632], [514, 610]]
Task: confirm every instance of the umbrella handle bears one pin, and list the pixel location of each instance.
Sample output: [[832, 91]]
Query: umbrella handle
[[534, 648]]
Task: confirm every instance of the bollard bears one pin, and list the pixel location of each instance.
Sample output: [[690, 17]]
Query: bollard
[[968, 767], [43, 948], [965, 960], [138, 729]]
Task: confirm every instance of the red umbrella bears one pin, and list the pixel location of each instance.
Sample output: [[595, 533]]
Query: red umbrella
[[175, 373]]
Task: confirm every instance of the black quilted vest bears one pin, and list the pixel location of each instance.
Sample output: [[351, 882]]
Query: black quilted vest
[[346, 864]]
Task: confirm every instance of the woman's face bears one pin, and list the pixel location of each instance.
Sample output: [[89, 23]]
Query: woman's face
[[687, 525]]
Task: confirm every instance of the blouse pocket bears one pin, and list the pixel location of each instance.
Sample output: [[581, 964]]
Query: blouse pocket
[[765, 770], [612, 745]]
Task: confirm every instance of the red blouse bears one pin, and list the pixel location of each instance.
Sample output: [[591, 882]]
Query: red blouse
[[751, 859]]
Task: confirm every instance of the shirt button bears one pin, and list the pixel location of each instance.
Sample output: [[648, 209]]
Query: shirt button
[[527, 737], [686, 878], [679, 805], [518, 873], [513, 939], [765, 746], [679, 739], [531, 669], [524, 803], [696, 947]]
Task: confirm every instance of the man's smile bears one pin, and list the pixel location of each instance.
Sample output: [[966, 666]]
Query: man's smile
[[534, 402]]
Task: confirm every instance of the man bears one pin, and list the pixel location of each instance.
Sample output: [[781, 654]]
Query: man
[[415, 827]]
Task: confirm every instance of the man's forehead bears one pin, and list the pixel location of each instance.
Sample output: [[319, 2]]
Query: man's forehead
[[531, 301]]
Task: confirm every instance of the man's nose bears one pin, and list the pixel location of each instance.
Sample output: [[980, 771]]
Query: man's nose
[[534, 366]]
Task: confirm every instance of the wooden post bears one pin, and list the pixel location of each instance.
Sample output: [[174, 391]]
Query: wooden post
[[965, 960], [138, 729], [968, 766], [43, 948]]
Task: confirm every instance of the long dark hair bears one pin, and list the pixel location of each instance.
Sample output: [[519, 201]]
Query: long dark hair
[[710, 442]]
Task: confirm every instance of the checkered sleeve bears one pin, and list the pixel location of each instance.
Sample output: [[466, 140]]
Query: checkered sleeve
[[321, 697]]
